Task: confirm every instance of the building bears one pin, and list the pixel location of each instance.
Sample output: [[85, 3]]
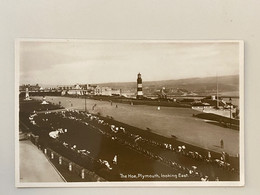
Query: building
[[30, 87], [102, 91], [139, 87], [116, 92], [162, 94], [73, 90], [88, 89], [107, 91]]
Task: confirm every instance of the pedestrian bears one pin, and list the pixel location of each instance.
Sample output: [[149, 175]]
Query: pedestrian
[[209, 156], [221, 143], [224, 156]]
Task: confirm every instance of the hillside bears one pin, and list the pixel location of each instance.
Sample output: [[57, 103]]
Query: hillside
[[200, 86]]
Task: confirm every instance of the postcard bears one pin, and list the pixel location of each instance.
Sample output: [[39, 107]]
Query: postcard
[[99, 113]]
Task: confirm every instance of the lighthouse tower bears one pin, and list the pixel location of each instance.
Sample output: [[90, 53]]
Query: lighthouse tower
[[139, 87]]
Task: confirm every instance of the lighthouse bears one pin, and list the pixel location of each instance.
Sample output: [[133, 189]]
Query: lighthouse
[[139, 87]]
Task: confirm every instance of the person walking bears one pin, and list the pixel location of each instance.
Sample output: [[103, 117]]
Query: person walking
[[209, 156], [221, 143]]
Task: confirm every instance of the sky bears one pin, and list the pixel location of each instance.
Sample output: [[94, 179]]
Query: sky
[[81, 62]]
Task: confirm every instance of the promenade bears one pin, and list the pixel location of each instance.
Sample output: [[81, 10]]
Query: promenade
[[34, 166], [167, 122]]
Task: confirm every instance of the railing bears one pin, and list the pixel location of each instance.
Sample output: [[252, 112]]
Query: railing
[[82, 173]]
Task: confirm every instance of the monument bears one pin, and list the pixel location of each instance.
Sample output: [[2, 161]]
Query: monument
[[44, 100], [27, 97]]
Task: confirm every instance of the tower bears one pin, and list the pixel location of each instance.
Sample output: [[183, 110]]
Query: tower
[[139, 87]]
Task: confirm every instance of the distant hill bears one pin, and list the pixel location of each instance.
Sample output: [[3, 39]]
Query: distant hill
[[200, 86]]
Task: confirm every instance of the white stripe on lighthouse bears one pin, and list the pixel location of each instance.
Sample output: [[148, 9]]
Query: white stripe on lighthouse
[[139, 93]]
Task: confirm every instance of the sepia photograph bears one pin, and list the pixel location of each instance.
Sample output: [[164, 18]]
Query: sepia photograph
[[129, 113]]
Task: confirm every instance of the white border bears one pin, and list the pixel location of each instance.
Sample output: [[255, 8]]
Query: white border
[[16, 113], [131, 183]]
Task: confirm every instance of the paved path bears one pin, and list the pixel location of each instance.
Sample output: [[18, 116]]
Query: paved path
[[34, 166]]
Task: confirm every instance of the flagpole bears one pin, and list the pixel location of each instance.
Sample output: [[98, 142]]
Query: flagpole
[[85, 103], [217, 91]]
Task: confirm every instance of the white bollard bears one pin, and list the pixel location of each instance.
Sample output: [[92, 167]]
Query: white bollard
[[82, 174], [45, 151], [60, 160], [52, 155], [70, 166]]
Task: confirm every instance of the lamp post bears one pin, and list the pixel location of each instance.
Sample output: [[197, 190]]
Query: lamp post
[[230, 107], [85, 102]]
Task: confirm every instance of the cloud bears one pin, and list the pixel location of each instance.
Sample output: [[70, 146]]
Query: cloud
[[96, 62]]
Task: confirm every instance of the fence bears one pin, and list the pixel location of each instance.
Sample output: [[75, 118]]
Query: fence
[[71, 167]]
